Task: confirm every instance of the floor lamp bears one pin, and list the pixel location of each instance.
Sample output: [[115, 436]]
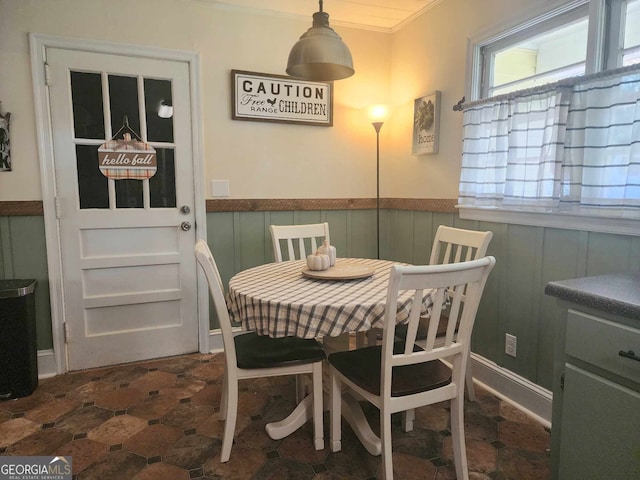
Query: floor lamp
[[377, 113]]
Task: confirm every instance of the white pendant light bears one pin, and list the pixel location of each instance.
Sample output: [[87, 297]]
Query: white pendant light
[[320, 54]]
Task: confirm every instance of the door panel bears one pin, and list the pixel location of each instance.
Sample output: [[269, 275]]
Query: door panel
[[129, 273]]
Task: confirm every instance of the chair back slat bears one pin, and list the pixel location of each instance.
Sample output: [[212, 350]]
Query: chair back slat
[[439, 281], [306, 236], [412, 330]]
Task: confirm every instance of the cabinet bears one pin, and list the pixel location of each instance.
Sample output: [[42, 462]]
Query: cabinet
[[596, 396]]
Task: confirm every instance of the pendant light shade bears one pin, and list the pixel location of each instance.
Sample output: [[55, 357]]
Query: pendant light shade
[[320, 54]]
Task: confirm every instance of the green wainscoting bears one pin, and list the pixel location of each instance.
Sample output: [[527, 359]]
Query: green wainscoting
[[23, 254], [241, 240], [514, 300], [527, 259]]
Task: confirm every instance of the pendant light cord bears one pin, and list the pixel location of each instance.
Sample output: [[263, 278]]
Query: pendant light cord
[[320, 5]]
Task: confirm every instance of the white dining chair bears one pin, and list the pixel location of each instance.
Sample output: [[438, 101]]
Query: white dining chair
[[250, 355], [452, 245], [297, 239], [399, 375]]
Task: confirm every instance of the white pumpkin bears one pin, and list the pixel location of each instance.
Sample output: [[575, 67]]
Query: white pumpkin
[[330, 250], [318, 261]]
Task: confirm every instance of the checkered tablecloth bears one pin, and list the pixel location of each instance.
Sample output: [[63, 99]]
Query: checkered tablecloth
[[277, 300]]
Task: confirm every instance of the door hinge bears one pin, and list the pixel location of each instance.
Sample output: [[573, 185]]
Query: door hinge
[[57, 206], [47, 75], [65, 332], [562, 382]]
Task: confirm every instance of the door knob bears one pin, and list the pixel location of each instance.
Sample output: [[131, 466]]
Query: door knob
[[186, 226], [185, 209]]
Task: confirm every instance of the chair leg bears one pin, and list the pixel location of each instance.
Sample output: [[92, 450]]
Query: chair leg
[[471, 393], [408, 416], [230, 422], [385, 440], [223, 400], [318, 407], [300, 388], [335, 414], [457, 437]]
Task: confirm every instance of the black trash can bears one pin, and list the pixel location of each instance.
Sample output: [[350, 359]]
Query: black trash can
[[18, 349]]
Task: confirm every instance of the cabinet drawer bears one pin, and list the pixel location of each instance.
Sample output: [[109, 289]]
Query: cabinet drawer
[[598, 342]]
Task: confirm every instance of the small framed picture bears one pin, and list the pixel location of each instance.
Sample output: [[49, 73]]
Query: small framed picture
[[426, 124], [5, 144]]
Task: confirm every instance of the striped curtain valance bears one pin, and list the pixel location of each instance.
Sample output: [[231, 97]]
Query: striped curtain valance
[[571, 146]]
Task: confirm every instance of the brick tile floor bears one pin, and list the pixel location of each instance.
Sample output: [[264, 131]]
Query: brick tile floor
[[159, 420]]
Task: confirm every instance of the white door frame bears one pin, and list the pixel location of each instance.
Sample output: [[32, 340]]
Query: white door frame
[[38, 44]]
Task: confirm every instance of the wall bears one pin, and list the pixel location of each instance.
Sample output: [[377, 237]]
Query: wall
[[264, 160], [430, 54], [261, 160]]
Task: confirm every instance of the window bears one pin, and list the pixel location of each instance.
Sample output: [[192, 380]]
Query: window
[[545, 52], [555, 122], [631, 45]]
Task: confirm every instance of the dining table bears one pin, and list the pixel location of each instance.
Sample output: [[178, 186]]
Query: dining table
[[287, 299]]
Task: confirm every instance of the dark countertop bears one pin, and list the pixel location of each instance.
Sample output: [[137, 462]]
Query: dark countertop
[[618, 294]]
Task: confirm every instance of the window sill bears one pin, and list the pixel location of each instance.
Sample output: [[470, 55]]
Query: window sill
[[620, 226]]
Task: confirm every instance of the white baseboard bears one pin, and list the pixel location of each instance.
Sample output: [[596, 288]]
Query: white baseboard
[[46, 364], [520, 392], [523, 394]]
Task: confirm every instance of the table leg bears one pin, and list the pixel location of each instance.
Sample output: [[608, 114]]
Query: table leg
[[353, 414], [351, 411], [300, 415]]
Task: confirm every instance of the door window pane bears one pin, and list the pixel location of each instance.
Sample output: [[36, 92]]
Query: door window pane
[[157, 93], [129, 194], [93, 186], [123, 96], [162, 186], [88, 115]]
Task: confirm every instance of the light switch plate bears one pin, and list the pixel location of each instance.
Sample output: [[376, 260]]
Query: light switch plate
[[220, 188]]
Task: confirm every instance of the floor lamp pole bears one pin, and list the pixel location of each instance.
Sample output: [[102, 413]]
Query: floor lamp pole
[[377, 126]]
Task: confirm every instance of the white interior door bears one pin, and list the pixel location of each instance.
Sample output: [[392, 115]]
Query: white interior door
[[128, 268]]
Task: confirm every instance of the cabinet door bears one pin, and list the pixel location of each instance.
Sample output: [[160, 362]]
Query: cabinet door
[[600, 429]]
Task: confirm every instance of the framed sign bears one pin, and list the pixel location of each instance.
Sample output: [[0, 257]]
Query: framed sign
[[426, 124], [277, 98]]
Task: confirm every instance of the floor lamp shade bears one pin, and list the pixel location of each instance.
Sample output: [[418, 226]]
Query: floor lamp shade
[[320, 54]]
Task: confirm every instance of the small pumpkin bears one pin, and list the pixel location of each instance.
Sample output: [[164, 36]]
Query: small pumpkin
[[330, 250], [318, 261]]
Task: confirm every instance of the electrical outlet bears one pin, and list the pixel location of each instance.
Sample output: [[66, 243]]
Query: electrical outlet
[[510, 344]]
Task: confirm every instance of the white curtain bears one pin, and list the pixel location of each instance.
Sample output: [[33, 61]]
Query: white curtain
[[572, 146]]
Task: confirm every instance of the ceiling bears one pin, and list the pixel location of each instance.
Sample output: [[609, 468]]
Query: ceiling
[[381, 15]]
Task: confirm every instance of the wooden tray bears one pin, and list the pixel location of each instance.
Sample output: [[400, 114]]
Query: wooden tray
[[340, 272]]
